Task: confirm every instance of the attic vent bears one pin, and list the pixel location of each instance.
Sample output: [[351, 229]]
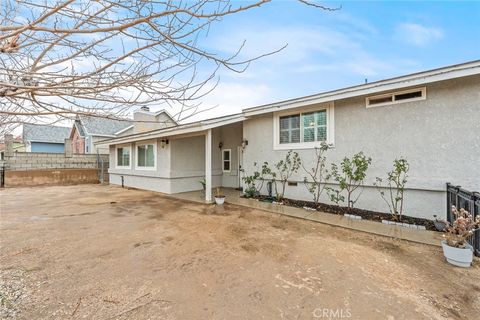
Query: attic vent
[[397, 97], [144, 108]]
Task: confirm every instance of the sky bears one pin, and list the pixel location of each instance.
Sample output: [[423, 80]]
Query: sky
[[331, 50]]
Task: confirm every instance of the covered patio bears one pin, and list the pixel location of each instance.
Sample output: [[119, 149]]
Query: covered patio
[[183, 158]]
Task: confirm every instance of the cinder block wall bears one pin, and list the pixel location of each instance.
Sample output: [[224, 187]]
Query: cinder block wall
[[24, 161], [32, 169]]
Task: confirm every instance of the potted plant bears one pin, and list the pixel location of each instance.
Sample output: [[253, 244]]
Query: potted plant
[[219, 198], [455, 246]]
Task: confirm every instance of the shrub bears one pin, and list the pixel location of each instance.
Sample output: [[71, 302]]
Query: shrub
[[318, 174], [350, 178], [285, 168], [463, 227], [396, 181], [252, 189], [335, 195]]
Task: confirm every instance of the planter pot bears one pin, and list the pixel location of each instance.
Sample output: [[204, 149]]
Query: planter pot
[[458, 256], [219, 200]]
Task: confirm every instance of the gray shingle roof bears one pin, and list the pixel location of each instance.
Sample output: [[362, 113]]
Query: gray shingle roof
[[103, 126], [79, 127], [45, 133]]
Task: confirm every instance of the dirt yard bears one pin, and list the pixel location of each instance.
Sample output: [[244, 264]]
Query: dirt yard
[[102, 252]]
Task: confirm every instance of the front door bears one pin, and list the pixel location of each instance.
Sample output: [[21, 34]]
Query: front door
[[240, 166]]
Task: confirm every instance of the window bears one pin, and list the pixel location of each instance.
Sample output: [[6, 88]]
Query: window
[[290, 129], [146, 156], [314, 126], [303, 129], [123, 157], [397, 97], [311, 128], [226, 160]]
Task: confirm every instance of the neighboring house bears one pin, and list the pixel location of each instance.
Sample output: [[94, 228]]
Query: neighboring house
[[431, 118], [44, 138], [18, 146], [88, 130]]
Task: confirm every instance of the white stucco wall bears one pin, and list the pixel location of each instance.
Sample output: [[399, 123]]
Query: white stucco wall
[[231, 136], [188, 159], [147, 121], [188, 164], [181, 163], [93, 149], [155, 180], [440, 137]]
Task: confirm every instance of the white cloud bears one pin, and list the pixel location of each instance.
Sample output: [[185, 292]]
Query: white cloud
[[301, 42], [418, 35], [232, 97], [318, 58]]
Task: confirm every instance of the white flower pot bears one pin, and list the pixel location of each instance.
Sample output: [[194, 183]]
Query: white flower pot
[[460, 257], [219, 200]]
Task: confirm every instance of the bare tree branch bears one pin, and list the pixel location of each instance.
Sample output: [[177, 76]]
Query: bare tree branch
[[60, 58]]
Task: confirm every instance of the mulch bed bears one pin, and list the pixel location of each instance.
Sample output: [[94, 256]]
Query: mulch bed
[[365, 214]]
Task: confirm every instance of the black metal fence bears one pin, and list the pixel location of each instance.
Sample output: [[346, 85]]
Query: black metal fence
[[2, 175], [468, 200]]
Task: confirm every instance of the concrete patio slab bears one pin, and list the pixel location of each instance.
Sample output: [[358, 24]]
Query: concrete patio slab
[[234, 197]]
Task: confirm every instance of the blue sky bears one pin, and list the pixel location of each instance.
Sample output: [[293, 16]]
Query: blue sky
[[331, 50]]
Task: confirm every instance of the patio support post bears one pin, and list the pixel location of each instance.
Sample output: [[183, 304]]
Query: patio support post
[[208, 166]]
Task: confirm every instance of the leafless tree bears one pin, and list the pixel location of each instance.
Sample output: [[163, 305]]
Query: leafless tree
[[60, 58]]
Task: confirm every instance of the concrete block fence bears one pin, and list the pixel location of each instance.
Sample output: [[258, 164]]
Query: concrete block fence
[[29, 168]]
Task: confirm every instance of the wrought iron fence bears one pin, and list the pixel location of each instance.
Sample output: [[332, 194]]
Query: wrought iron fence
[[468, 200], [2, 174]]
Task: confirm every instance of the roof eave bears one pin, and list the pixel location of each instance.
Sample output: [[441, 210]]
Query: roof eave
[[194, 127], [44, 141], [422, 78], [123, 130]]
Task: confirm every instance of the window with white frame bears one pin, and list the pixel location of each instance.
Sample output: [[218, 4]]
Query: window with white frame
[[397, 97], [146, 156], [303, 129], [226, 160], [314, 126], [290, 129], [123, 157]]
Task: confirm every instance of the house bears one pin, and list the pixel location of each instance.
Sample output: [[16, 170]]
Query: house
[[18, 146], [431, 118], [44, 138], [87, 130]]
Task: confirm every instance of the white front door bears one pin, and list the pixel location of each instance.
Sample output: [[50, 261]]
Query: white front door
[[240, 166]]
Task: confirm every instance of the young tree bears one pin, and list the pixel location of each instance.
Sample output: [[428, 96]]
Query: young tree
[[396, 181], [259, 175], [60, 58], [285, 168], [318, 174], [351, 177]]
